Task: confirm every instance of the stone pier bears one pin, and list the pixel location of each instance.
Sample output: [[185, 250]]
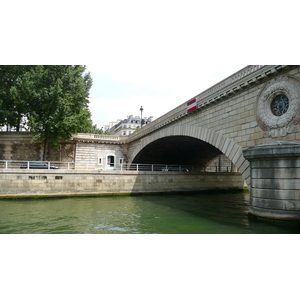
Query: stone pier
[[275, 180]]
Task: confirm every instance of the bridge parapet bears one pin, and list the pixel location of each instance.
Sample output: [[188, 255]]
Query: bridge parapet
[[229, 80], [233, 84]]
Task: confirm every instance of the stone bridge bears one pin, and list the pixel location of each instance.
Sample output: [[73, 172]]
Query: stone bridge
[[252, 117], [256, 105]]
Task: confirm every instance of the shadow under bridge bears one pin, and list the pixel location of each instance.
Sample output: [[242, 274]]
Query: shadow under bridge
[[178, 150]]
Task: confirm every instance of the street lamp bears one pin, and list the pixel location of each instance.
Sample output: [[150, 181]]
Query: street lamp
[[141, 109]]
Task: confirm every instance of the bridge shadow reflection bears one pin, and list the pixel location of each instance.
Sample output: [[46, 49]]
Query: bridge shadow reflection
[[220, 212]]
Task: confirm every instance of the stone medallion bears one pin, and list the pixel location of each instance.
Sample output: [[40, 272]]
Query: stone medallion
[[278, 106]]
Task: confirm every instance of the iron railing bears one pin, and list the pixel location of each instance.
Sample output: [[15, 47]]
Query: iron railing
[[55, 165]]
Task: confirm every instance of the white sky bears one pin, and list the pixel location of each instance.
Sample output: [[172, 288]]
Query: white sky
[[156, 54], [156, 88]]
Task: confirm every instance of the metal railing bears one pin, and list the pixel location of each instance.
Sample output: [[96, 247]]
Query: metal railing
[[55, 165], [228, 169], [155, 167], [21, 164]]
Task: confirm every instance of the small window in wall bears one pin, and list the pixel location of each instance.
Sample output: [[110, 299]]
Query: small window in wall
[[100, 160], [111, 160]]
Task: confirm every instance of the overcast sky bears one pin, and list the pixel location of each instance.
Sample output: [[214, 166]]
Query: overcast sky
[[157, 88], [156, 54]]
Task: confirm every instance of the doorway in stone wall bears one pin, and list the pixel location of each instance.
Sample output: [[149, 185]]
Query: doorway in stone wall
[[111, 160]]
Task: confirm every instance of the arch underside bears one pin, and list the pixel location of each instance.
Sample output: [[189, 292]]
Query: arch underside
[[189, 145], [179, 150]]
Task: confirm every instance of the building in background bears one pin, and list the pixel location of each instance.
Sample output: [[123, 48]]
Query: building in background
[[22, 126], [126, 126]]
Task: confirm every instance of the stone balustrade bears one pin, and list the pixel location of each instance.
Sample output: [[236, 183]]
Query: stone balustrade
[[100, 137]]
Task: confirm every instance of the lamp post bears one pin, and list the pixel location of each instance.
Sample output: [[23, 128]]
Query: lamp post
[[141, 109]]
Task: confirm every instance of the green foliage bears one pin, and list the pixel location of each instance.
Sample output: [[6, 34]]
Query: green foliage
[[54, 99], [12, 107], [94, 129], [58, 101]]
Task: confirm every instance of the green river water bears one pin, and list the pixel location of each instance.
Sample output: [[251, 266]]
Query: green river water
[[201, 213]]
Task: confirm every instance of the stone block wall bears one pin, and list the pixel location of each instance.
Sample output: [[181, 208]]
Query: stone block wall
[[24, 150], [91, 152], [19, 146], [39, 183]]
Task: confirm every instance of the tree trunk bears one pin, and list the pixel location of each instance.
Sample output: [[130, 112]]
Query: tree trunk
[[18, 125], [45, 149]]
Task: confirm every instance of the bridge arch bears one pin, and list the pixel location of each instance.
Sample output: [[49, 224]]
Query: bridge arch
[[219, 144]]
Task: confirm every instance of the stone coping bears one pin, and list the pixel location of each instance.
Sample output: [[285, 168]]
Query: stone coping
[[103, 172], [273, 150]]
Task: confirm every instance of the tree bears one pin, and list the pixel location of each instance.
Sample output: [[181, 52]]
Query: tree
[[95, 130], [12, 108], [56, 99]]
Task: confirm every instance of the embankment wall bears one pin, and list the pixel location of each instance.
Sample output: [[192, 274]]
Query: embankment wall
[[43, 183], [20, 146]]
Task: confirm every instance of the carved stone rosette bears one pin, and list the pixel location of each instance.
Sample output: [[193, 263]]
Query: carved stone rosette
[[278, 106]]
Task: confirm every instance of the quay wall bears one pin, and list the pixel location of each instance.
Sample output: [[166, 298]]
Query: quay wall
[[48, 183], [20, 146]]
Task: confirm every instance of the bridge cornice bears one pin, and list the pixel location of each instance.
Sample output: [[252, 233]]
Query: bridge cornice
[[232, 85]]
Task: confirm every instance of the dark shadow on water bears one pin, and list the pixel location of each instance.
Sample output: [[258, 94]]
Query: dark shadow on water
[[268, 226], [226, 209]]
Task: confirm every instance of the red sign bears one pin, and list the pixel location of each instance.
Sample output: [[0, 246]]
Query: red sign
[[191, 105]]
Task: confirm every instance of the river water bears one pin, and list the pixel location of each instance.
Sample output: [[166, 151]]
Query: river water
[[143, 214]]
